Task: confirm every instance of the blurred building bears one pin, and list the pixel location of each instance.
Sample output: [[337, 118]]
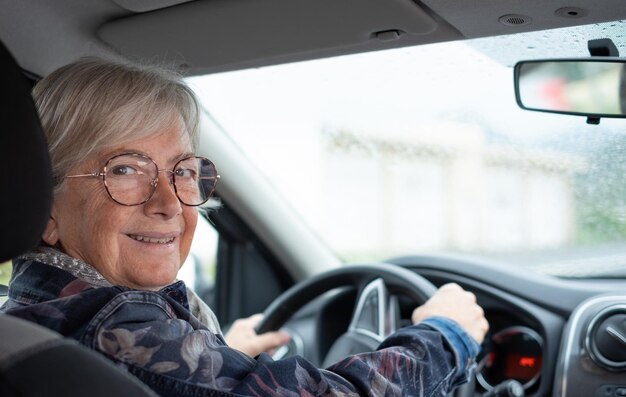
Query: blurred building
[[445, 188]]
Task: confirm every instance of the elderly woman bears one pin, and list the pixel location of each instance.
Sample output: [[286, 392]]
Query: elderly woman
[[128, 189]]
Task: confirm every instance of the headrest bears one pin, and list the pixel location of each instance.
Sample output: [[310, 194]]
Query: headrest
[[25, 171]]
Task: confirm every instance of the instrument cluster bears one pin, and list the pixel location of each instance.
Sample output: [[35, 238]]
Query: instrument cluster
[[514, 352]]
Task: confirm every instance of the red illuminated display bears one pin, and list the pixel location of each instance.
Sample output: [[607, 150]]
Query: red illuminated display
[[521, 367]]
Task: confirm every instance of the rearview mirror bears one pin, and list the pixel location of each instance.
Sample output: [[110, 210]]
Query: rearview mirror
[[594, 87]]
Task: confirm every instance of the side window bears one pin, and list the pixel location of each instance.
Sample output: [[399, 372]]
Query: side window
[[199, 269], [248, 277], [5, 272], [230, 269], [5, 277]]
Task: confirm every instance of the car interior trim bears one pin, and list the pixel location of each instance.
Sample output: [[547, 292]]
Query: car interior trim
[[373, 293]]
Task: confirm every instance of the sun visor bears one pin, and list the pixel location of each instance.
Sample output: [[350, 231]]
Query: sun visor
[[231, 32]]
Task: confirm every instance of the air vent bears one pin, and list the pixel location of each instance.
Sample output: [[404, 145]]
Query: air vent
[[606, 338], [515, 20]]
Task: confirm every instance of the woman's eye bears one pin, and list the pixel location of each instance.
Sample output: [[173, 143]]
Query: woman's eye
[[123, 170], [185, 173]]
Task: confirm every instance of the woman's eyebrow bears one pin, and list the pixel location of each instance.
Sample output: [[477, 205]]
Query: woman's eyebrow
[[172, 160], [116, 152], [181, 156]]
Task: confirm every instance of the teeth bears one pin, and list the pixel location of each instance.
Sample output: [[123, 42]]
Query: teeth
[[152, 240]]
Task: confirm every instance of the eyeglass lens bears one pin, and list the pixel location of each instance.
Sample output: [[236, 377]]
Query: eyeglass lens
[[131, 179]]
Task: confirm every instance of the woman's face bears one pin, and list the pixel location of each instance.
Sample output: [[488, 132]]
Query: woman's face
[[142, 246]]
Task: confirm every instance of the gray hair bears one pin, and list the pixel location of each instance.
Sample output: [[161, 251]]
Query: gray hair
[[93, 104]]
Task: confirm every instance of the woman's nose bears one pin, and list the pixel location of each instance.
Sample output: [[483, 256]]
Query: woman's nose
[[164, 201]]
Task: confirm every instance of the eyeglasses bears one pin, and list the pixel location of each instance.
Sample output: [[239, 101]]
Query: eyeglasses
[[131, 179]]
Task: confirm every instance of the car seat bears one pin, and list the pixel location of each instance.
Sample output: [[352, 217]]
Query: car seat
[[35, 361]]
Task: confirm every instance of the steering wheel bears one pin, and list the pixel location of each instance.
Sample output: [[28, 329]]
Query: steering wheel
[[376, 314]]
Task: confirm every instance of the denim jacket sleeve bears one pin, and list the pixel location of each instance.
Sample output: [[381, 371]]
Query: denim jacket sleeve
[[464, 346]]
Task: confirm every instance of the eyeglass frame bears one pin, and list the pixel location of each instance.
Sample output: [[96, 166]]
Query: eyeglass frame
[[153, 182]]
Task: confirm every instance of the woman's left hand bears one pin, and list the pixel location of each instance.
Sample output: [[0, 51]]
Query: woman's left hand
[[243, 337]]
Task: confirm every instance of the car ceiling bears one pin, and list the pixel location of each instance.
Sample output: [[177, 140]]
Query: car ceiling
[[217, 35]]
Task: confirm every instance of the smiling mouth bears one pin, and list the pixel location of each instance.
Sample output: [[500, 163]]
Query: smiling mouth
[[152, 240]]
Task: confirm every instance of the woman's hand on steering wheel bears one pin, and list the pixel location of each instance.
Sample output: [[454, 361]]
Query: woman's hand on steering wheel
[[455, 303], [243, 337]]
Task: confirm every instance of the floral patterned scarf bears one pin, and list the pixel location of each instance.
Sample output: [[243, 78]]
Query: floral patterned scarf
[[84, 271]]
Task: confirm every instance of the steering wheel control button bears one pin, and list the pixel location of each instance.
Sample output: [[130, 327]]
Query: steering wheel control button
[[606, 339]]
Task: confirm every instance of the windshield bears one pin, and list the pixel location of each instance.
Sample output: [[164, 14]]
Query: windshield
[[423, 150]]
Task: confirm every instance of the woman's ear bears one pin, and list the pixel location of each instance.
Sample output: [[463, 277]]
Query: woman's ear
[[50, 235]]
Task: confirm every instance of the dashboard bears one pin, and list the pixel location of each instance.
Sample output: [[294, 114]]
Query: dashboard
[[555, 337]]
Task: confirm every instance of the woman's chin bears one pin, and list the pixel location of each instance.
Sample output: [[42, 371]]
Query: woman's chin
[[153, 283], [153, 275]]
